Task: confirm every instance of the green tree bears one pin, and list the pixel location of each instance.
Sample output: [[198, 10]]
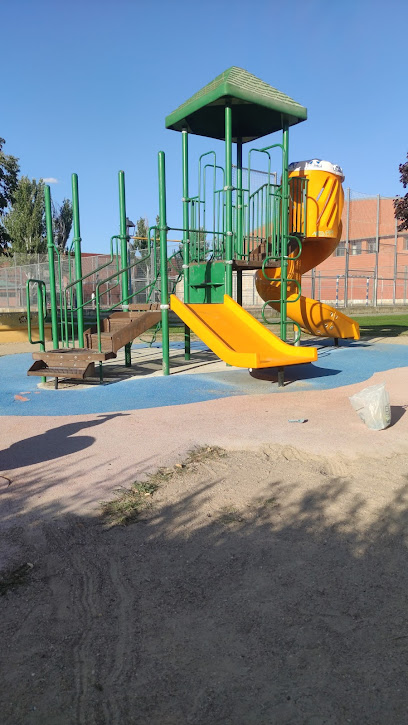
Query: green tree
[[401, 202], [9, 169], [62, 223], [141, 230], [25, 223]]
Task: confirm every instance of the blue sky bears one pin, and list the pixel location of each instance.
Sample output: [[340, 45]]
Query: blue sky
[[86, 87]]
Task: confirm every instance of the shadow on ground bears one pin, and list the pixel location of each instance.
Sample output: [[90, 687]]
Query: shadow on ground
[[54, 443], [279, 613]]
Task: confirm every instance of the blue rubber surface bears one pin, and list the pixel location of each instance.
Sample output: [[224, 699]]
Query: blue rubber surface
[[353, 362]]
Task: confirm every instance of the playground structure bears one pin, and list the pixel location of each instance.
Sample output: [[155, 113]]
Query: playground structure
[[278, 230]]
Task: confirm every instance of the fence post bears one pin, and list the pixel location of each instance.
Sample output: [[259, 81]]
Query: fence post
[[367, 290], [377, 244], [346, 259], [337, 291]]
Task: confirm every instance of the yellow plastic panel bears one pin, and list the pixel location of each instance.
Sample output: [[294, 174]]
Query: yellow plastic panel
[[325, 199], [237, 338]]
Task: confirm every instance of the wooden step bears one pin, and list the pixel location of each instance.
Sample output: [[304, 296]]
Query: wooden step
[[75, 372], [65, 356], [126, 326]]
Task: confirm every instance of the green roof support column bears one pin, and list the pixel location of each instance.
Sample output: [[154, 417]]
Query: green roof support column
[[51, 267], [228, 200], [285, 230], [240, 210], [164, 284], [123, 241], [240, 220], [186, 240], [78, 260]]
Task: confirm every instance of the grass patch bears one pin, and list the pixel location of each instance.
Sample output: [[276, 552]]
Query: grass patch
[[203, 453], [15, 578], [129, 503], [383, 325], [230, 515]]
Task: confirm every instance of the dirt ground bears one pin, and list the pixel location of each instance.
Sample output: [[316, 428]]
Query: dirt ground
[[259, 587]]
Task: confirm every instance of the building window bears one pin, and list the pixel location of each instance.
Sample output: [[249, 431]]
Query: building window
[[405, 244], [371, 246], [340, 250], [356, 247]]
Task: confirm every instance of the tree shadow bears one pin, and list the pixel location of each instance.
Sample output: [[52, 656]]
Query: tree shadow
[[291, 609], [54, 443]]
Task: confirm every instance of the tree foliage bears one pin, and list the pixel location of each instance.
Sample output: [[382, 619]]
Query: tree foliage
[[62, 223], [141, 231], [9, 169], [401, 202], [24, 223]]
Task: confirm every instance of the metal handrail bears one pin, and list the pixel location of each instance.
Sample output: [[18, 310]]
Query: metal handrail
[[42, 311], [113, 255]]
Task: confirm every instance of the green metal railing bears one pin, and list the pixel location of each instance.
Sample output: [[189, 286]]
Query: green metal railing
[[41, 311], [69, 339]]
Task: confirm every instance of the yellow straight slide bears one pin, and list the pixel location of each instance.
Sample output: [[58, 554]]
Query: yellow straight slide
[[237, 337]]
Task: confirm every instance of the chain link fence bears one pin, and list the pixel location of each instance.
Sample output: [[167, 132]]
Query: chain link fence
[[369, 266]]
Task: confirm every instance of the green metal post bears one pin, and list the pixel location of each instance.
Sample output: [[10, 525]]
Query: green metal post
[[285, 230], [186, 239], [163, 265], [240, 210], [123, 240], [240, 219], [51, 267], [124, 257], [78, 260], [228, 200]]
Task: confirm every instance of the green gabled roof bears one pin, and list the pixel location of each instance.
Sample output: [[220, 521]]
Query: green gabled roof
[[257, 108]]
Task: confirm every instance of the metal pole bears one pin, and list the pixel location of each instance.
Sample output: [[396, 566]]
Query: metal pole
[[240, 210], [394, 289], [240, 235], [228, 200], [285, 230], [377, 245], [163, 265], [367, 290], [186, 240], [346, 261], [78, 260], [51, 268], [123, 241]]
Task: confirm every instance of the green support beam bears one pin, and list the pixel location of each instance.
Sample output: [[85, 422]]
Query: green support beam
[[78, 259], [123, 241], [186, 240], [163, 265], [228, 200], [285, 231], [51, 267]]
